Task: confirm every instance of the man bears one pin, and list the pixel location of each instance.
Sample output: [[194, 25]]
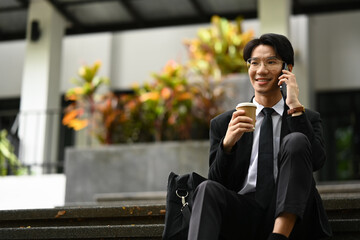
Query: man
[[256, 195]]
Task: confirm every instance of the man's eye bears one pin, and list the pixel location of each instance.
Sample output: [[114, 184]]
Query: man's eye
[[254, 63], [271, 62]]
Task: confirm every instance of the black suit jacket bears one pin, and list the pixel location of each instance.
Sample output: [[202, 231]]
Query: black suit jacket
[[230, 169]]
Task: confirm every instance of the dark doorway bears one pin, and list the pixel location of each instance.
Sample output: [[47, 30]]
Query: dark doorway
[[340, 112]]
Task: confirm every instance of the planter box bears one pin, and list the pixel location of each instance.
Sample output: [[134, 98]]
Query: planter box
[[130, 167]]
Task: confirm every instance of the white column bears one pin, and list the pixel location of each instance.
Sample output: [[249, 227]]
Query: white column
[[274, 16], [299, 38], [40, 90]]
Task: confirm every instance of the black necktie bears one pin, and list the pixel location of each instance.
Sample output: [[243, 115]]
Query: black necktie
[[265, 177]]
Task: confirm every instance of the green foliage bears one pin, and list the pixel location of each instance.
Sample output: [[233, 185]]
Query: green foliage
[[82, 108], [218, 50], [344, 138], [176, 105], [9, 162]]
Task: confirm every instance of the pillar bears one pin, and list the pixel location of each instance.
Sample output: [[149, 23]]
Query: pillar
[[274, 16], [40, 90]]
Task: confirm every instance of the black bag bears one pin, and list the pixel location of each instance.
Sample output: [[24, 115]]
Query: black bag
[[179, 201]]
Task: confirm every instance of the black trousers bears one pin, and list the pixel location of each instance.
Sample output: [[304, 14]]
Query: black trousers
[[219, 213]]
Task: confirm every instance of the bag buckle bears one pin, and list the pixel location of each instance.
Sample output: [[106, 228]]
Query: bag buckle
[[182, 198]]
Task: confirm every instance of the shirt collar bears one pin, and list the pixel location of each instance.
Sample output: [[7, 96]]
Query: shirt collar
[[278, 107]]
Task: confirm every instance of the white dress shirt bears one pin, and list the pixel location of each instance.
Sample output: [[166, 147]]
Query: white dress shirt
[[250, 180]]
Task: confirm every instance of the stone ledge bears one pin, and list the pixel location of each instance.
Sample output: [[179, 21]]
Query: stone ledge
[[137, 167], [331, 199], [339, 187], [83, 216], [131, 198], [341, 201], [345, 225], [149, 231], [83, 212]]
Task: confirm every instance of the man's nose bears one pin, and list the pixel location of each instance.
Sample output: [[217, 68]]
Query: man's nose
[[262, 68]]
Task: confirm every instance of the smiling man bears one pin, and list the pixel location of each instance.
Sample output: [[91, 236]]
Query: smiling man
[[260, 178]]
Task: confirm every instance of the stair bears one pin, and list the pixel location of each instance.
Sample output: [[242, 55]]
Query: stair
[[127, 216], [90, 222], [342, 204]]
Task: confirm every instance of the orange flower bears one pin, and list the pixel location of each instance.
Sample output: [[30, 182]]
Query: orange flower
[[166, 93], [78, 124], [149, 96], [184, 96], [70, 116]]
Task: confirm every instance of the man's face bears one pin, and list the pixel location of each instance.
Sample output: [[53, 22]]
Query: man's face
[[265, 71]]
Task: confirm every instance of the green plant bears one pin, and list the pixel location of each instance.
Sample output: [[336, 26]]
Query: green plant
[[9, 163], [167, 108], [166, 103], [82, 112], [218, 50], [176, 105], [121, 120]]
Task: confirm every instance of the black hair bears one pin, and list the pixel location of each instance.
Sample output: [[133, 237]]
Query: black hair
[[280, 43]]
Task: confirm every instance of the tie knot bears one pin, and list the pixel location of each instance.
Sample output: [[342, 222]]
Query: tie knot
[[268, 111]]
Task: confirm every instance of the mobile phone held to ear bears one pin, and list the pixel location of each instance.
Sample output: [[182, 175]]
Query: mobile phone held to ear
[[283, 85]]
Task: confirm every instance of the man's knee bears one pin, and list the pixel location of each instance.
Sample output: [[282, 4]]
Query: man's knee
[[208, 186], [209, 189], [296, 143], [296, 146]]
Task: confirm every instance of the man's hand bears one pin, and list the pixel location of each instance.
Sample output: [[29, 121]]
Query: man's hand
[[292, 98], [238, 124]]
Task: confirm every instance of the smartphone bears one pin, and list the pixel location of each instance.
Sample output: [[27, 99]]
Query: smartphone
[[283, 85]]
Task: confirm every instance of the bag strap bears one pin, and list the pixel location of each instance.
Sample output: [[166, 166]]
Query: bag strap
[[186, 212], [182, 191]]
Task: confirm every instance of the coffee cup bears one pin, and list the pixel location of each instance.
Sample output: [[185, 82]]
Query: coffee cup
[[249, 108]]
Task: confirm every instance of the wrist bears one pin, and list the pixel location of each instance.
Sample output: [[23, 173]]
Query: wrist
[[295, 105], [296, 111], [226, 147], [296, 114]]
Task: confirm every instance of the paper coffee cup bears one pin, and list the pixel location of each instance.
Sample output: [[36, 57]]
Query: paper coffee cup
[[249, 108]]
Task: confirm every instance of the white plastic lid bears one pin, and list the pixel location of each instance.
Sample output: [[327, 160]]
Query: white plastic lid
[[245, 104]]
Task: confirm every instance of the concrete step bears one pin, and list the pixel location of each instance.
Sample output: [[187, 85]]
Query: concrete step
[[89, 222], [339, 187], [133, 198], [83, 216], [126, 218], [133, 231]]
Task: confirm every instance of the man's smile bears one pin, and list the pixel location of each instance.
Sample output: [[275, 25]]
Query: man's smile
[[263, 81]]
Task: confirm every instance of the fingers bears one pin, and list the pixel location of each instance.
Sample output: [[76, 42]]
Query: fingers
[[287, 75], [240, 123], [241, 128], [239, 119], [292, 87], [281, 81], [237, 126]]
